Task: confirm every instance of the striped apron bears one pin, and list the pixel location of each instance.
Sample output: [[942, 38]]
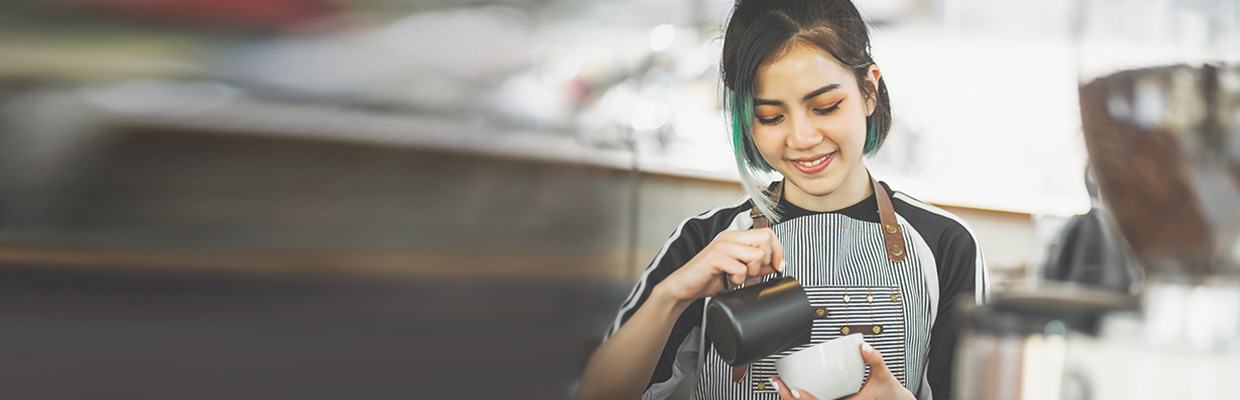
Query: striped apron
[[853, 287]]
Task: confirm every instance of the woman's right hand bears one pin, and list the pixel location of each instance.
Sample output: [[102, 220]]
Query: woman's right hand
[[622, 366], [733, 255]]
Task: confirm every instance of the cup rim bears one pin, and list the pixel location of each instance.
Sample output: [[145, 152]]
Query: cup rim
[[826, 343]]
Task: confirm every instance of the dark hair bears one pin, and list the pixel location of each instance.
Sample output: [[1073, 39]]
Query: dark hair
[[760, 29]]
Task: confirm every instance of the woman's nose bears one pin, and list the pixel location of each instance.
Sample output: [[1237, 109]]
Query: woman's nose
[[804, 134]]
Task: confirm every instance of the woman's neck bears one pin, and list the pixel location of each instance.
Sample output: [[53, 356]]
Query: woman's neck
[[855, 188]]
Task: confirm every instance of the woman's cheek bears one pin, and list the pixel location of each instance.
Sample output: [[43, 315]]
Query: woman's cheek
[[767, 141]]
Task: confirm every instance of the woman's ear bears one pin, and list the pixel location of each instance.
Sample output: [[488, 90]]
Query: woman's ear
[[872, 76]]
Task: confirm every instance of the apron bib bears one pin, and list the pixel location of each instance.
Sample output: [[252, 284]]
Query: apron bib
[[855, 284]]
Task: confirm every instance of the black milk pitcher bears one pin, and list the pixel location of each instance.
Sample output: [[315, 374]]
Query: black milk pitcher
[[758, 320]]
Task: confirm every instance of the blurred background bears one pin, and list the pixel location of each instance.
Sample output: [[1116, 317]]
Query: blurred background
[[423, 198]]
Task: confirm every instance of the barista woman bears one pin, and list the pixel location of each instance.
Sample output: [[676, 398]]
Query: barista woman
[[807, 102]]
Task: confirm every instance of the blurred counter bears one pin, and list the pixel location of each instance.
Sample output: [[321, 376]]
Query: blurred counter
[[194, 179]]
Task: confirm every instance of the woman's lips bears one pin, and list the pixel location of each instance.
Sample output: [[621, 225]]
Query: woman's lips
[[812, 165]]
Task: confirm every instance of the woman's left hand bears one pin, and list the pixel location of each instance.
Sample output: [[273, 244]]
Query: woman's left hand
[[881, 385]]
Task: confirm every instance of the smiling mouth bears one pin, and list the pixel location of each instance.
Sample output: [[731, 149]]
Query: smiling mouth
[[814, 165]]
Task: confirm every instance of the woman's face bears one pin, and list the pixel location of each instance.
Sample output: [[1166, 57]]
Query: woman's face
[[809, 124]]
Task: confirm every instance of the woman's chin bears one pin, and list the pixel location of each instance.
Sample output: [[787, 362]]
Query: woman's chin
[[817, 187]]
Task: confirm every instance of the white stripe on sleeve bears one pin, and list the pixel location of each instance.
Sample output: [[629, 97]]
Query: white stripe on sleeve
[[641, 284]]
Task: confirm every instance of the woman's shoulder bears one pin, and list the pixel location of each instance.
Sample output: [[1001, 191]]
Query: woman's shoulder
[[693, 233], [937, 224], [957, 252], [733, 216]]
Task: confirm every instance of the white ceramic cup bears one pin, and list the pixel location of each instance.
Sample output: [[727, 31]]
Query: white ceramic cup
[[828, 370]]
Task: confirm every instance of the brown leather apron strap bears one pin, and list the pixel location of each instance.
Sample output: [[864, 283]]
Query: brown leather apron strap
[[761, 221], [893, 236]]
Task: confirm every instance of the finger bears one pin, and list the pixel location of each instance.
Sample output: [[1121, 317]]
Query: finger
[[752, 237], [768, 254], [777, 252], [757, 272], [766, 270], [767, 247], [732, 270], [874, 358], [803, 395], [718, 284], [752, 257], [743, 253], [755, 268], [764, 239], [784, 392], [878, 369], [752, 266]]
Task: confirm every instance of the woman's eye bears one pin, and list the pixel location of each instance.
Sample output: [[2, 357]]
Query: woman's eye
[[770, 121], [828, 110]]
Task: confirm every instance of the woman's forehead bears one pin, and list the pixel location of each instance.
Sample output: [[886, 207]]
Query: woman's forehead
[[798, 70]]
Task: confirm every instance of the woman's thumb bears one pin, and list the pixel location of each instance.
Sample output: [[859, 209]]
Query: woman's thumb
[[874, 358]]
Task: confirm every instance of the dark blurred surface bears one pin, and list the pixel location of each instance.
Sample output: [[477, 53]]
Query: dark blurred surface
[[202, 190], [139, 333]]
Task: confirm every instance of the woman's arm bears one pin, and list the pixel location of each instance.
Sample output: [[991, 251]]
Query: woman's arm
[[621, 368], [962, 278]]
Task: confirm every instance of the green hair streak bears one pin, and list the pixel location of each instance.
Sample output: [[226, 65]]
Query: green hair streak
[[871, 138], [742, 125]]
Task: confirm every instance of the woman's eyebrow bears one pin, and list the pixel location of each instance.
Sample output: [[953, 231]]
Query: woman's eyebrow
[[813, 94], [820, 90]]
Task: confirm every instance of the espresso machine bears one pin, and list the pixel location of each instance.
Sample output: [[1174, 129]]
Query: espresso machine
[[1160, 111]]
